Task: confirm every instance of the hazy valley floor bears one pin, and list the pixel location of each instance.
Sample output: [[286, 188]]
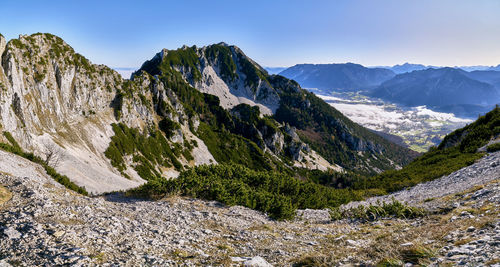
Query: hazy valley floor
[[45, 224]]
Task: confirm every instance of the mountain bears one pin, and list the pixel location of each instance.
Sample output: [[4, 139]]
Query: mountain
[[183, 108], [274, 70], [474, 68], [225, 71], [340, 77], [488, 76], [407, 67], [436, 87], [497, 68]]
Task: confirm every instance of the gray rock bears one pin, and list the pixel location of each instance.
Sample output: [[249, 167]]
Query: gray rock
[[12, 233], [409, 244], [256, 262]]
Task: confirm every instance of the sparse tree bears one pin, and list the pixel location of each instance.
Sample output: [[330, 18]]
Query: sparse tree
[[52, 153]]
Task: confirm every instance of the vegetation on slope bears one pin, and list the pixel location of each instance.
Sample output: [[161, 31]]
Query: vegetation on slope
[[148, 150], [228, 138], [14, 148], [221, 55], [275, 193]]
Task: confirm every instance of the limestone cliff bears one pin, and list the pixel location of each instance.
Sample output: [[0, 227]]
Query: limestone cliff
[[51, 95]]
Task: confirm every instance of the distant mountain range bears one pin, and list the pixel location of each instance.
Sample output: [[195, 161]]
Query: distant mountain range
[[275, 70], [409, 67], [455, 90], [438, 87], [342, 77]]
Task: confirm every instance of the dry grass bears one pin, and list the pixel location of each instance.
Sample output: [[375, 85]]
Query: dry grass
[[384, 238], [463, 241], [5, 195]]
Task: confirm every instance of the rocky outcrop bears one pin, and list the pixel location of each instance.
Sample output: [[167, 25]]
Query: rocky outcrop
[[52, 95]]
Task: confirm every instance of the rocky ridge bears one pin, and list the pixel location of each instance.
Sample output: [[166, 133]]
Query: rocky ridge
[[53, 97]]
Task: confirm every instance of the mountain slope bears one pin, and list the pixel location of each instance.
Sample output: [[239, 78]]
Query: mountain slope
[[342, 77], [237, 79], [488, 76], [436, 87]]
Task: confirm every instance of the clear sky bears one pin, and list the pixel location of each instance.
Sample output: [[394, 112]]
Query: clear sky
[[274, 33]]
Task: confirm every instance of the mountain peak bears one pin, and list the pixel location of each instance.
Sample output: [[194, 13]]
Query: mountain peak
[[223, 44], [337, 76]]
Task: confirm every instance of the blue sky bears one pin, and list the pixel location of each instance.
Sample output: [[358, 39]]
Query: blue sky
[[274, 33]]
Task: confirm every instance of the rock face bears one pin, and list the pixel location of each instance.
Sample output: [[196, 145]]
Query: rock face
[[221, 70], [52, 96]]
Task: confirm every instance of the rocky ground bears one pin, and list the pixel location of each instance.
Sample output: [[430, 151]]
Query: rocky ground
[[42, 223]]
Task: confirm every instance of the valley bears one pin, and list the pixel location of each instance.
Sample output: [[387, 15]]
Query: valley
[[419, 127]]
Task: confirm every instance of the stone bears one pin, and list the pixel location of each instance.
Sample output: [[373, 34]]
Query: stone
[[58, 234], [4, 263], [352, 243], [256, 261], [408, 244], [12, 233]]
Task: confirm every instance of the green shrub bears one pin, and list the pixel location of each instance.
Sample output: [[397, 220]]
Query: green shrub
[[12, 141], [493, 147], [168, 126], [275, 193], [39, 76], [416, 255]]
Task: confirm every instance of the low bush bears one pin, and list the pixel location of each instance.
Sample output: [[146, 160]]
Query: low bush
[[394, 209], [274, 193], [493, 147]]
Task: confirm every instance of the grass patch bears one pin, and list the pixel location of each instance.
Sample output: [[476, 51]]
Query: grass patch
[[5, 195], [394, 209], [416, 254]]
